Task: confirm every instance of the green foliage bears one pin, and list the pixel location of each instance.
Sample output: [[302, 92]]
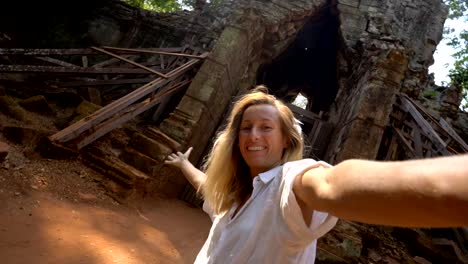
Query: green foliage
[[165, 6], [459, 78], [429, 94], [157, 5], [458, 9]]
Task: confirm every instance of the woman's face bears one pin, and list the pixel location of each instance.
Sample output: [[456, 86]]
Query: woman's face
[[261, 140]]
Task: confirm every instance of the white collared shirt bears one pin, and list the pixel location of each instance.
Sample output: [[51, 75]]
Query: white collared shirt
[[269, 228]]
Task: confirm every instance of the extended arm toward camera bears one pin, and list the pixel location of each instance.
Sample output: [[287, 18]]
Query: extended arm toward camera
[[417, 193]]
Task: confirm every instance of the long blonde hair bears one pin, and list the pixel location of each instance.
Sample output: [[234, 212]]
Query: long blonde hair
[[228, 177]]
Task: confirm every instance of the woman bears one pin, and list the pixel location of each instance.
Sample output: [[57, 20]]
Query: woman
[[268, 205]]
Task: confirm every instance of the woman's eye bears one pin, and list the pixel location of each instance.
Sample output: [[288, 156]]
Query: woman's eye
[[267, 128]]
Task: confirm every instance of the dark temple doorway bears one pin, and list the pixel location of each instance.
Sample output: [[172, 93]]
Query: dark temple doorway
[[309, 65]]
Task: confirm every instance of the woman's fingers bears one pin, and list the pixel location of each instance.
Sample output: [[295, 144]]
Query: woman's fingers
[[187, 153], [178, 157]]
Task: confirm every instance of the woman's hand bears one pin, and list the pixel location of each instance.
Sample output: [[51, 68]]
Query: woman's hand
[[181, 160], [178, 159]]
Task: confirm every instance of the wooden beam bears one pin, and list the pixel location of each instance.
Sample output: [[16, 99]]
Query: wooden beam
[[453, 134], [109, 110], [131, 62], [163, 103], [155, 52], [57, 69], [418, 149], [95, 82], [109, 62], [406, 145], [56, 61], [127, 115], [441, 123], [87, 51], [425, 126], [307, 114], [392, 148], [46, 52]]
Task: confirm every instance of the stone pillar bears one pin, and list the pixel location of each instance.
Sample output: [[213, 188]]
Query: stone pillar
[[359, 133]]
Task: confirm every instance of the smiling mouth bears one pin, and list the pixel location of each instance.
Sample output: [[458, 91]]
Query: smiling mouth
[[257, 148]]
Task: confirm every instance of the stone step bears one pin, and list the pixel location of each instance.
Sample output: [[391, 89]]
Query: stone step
[[4, 150], [110, 165], [156, 134], [138, 160], [24, 135], [150, 147]]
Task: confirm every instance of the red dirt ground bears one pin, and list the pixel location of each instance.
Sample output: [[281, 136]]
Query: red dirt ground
[[56, 212]]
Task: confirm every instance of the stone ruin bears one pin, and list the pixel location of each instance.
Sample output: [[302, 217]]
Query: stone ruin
[[350, 59]]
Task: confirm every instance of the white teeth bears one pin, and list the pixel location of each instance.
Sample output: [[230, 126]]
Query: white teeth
[[256, 148]]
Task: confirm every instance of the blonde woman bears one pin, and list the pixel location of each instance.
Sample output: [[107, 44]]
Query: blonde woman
[[268, 205]]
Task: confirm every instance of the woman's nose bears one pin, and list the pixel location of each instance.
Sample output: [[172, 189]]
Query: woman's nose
[[254, 133]]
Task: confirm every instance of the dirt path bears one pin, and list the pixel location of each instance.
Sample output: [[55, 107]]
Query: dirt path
[[55, 212]]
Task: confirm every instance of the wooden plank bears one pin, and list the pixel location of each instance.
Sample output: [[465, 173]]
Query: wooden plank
[[417, 142], [77, 128], [131, 62], [155, 52], [453, 134], [102, 114], [87, 51], [422, 123], [121, 118], [46, 52], [392, 148], [57, 62], [95, 82], [309, 115], [443, 125], [406, 144], [57, 69]]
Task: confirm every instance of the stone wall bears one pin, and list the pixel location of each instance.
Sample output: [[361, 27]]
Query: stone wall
[[388, 48]]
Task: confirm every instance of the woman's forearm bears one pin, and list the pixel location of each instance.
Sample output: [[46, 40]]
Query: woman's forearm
[[430, 192], [195, 176]]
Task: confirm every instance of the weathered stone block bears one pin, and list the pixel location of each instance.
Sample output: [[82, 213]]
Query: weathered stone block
[[353, 3], [24, 135], [10, 107], [138, 160], [211, 77], [158, 135], [363, 140], [201, 137], [229, 49], [376, 103], [177, 127], [37, 104], [150, 147], [4, 150], [192, 108], [84, 109]]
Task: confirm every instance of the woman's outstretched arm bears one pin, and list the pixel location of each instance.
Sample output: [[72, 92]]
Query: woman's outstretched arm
[[416, 193], [180, 160]]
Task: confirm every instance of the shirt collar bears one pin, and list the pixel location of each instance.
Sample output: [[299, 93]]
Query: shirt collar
[[267, 176]]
